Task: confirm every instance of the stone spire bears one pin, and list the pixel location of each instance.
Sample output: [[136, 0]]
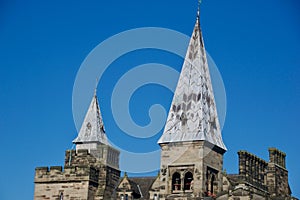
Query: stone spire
[[92, 129], [193, 114]]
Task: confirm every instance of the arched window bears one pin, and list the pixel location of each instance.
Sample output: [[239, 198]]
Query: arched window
[[122, 197], [155, 197], [176, 182], [188, 179]]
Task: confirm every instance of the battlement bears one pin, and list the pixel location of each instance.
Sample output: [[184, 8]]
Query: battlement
[[67, 174], [278, 157], [252, 157], [253, 169], [277, 175], [270, 176], [84, 173]]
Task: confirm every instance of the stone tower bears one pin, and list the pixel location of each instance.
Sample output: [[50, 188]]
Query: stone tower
[[277, 174], [191, 144], [90, 172]]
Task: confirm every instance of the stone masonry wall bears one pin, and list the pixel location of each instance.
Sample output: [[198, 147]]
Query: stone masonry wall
[[73, 182], [213, 165], [84, 177], [194, 156], [252, 169], [277, 176], [75, 190]]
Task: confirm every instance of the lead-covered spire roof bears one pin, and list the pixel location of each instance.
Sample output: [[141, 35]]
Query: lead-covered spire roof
[[92, 129], [193, 113]]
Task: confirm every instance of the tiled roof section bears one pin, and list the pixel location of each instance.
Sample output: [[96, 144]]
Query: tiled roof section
[[234, 179], [193, 113], [92, 129], [134, 188], [139, 186], [143, 184]]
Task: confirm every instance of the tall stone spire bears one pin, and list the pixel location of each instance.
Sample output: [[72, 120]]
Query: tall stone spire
[[193, 114], [92, 129]]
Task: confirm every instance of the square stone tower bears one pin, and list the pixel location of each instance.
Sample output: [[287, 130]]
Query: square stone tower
[[277, 174], [192, 145], [91, 172]]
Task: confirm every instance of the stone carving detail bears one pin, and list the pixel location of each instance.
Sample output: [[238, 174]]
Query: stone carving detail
[[88, 130]]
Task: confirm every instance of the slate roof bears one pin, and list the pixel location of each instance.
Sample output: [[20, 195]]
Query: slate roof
[[144, 184], [140, 186], [234, 179]]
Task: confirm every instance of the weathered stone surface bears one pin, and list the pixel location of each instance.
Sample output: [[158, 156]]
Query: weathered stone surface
[[83, 177], [200, 158]]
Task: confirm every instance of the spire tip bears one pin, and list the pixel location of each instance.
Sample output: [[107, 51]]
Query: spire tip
[[96, 86], [198, 11]]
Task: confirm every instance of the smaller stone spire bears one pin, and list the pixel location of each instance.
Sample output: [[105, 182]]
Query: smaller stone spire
[[92, 130]]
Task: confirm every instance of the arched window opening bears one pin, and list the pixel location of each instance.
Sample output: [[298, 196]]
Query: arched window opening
[[188, 180], [176, 182], [211, 182], [122, 197], [155, 197]]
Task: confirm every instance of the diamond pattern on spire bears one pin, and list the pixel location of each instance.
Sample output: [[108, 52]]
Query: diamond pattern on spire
[[193, 114]]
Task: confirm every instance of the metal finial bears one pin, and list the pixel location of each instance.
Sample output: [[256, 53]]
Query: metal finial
[[198, 11], [96, 85]]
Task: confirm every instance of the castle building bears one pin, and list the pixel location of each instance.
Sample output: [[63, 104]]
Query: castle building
[[192, 152]]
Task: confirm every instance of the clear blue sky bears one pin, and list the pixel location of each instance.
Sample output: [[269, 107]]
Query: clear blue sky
[[255, 45]]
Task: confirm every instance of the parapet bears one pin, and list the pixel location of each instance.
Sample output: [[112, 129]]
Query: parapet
[[58, 174], [278, 157], [265, 175], [253, 169]]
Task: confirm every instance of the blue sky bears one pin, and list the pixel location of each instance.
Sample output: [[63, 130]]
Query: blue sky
[[255, 45]]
